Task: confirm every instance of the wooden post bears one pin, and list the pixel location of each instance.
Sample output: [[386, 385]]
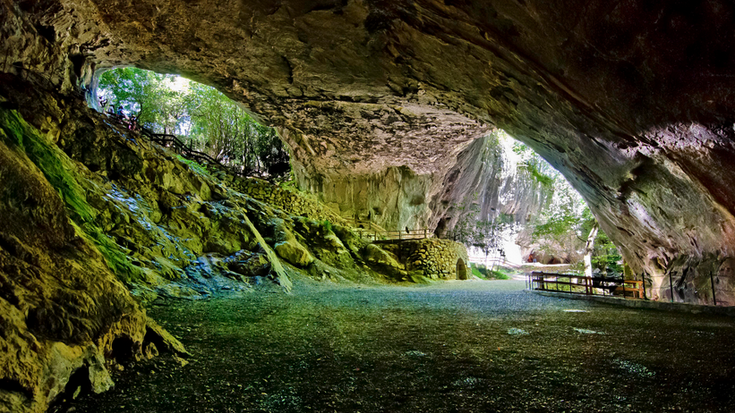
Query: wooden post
[[671, 288], [643, 278], [623, 286]]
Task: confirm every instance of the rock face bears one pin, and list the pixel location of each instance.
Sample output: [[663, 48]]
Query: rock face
[[63, 312], [418, 260], [631, 101], [487, 179]]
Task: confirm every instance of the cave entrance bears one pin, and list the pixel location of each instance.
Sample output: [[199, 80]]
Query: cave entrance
[[195, 120], [461, 269]]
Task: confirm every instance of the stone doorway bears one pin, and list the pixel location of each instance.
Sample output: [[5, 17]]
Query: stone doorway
[[461, 270]]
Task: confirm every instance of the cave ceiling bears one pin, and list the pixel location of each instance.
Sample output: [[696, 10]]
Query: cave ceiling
[[631, 100]]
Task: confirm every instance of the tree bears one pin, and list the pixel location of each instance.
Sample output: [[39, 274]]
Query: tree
[[203, 117], [566, 223], [149, 95]]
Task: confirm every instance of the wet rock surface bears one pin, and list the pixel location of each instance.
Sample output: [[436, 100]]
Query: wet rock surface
[[440, 348]]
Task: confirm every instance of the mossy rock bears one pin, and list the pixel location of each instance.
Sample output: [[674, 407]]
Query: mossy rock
[[293, 252]]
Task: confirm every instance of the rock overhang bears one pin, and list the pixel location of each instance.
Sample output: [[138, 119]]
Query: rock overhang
[[630, 101]]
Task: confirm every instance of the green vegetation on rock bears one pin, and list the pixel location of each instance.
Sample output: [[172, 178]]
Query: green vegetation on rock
[[61, 173], [46, 156]]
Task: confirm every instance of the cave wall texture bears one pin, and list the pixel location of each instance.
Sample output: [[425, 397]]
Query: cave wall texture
[[632, 101]]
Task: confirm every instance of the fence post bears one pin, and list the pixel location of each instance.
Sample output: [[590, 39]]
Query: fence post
[[671, 288], [623, 286], [643, 278]]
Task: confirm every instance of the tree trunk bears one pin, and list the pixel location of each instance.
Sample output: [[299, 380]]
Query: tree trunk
[[588, 248]]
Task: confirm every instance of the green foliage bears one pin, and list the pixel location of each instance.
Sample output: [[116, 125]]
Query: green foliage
[[564, 220], [606, 257], [327, 225], [531, 164], [205, 118]]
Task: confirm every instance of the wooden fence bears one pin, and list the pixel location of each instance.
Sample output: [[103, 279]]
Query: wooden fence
[[375, 235], [578, 284]]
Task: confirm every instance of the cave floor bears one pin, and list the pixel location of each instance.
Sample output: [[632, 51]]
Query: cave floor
[[469, 346]]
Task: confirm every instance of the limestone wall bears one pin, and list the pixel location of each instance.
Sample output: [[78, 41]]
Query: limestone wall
[[288, 200], [432, 258]]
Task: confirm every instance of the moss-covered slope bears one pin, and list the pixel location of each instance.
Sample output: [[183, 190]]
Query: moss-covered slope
[[90, 212]]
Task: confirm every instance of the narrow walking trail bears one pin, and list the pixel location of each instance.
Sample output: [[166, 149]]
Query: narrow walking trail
[[469, 346]]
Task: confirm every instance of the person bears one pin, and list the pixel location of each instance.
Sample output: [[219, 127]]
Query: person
[[120, 113]]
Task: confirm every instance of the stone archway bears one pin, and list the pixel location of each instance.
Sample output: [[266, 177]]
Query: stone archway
[[461, 270]]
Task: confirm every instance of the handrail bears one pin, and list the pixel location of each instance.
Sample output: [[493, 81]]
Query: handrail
[[169, 140], [395, 235]]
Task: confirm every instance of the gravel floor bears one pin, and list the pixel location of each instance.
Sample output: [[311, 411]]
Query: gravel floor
[[466, 346]]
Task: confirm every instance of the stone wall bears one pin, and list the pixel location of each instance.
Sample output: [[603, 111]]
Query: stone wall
[[431, 258], [288, 200]]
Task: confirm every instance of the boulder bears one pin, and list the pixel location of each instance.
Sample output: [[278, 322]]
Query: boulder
[[292, 251]]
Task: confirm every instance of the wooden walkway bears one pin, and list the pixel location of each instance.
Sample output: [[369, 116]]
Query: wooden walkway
[[173, 142], [373, 232]]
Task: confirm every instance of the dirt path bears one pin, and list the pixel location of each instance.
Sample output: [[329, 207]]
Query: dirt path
[[470, 346]]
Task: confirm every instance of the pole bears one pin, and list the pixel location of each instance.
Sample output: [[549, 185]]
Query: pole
[[623, 285], [671, 288], [712, 281], [643, 278]]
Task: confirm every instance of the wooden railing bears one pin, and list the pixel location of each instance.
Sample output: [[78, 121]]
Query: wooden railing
[[578, 284], [374, 235]]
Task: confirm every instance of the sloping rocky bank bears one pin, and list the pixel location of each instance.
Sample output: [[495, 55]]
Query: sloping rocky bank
[[95, 220]]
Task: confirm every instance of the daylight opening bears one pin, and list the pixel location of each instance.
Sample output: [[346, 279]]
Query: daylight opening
[[531, 218], [204, 120]]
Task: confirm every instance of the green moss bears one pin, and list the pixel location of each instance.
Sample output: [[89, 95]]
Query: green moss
[[60, 172], [196, 167], [49, 159], [327, 225]]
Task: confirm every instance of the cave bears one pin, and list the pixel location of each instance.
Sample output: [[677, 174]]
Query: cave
[[384, 106]]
